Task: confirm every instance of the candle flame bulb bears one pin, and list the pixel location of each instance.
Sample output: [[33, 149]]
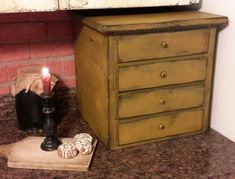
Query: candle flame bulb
[[46, 81], [45, 71]]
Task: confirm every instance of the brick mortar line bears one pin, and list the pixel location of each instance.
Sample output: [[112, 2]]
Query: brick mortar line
[[62, 66], [38, 60], [70, 39], [6, 84], [30, 50], [34, 21]]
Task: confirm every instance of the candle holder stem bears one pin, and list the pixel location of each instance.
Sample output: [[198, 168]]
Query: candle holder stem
[[51, 142]]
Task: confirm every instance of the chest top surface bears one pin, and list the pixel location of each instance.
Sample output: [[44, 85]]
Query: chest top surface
[[153, 21]]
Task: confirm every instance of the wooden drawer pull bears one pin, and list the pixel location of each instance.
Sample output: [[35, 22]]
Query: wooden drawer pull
[[164, 45], [162, 126], [162, 101], [163, 74]]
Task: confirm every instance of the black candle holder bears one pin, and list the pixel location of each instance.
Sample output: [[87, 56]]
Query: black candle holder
[[51, 142]]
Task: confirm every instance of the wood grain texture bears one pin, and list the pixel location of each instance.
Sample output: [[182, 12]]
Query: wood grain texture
[[113, 91], [28, 154], [152, 74], [92, 80], [156, 21], [160, 126], [209, 81], [149, 46]]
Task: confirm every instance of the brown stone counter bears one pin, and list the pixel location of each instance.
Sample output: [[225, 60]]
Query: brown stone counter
[[208, 155]]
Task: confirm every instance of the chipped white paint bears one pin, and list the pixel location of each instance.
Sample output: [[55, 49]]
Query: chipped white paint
[[63, 4], [93, 4], [7, 6], [81, 4], [28, 5]]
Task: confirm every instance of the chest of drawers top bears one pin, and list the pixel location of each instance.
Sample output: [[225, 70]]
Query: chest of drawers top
[[153, 22]]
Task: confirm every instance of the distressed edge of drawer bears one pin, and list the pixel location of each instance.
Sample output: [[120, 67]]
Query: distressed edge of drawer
[[125, 97], [129, 45], [156, 117], [123, 88]]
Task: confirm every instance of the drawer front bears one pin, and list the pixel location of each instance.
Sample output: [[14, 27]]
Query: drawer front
[[160, 126], [160, 74], [160, 45], [154, 101]]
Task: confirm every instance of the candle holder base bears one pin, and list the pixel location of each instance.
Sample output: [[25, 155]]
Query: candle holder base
[[50, 143]]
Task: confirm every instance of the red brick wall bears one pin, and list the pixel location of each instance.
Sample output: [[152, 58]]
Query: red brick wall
[[36, 39]]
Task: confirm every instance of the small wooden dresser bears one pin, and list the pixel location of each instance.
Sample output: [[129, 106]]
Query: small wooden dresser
[[146, 77]]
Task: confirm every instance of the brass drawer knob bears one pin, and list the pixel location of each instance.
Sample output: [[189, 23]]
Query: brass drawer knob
[[164, 45], [162, 126], [163, 74], [162, 101]]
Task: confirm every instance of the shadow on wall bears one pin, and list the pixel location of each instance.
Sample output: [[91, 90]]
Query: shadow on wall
[[65, 101]]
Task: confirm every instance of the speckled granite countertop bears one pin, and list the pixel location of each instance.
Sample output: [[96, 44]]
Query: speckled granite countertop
[[207, 155]]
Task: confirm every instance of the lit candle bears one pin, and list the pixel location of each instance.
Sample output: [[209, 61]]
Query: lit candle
[[46, 78]]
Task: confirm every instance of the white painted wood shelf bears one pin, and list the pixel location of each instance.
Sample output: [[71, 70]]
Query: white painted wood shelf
[[9, 6]]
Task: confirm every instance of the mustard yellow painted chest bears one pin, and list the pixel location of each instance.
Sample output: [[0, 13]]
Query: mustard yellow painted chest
[[146, 77]]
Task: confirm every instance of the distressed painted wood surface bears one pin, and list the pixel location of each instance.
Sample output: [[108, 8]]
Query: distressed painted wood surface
[[161, 73], [159, 22], [162, 45], [7, 6], [160, 126], [155, 101], [27, 5], [91, 49], [28, 154], [133, 97], [81, 4]]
